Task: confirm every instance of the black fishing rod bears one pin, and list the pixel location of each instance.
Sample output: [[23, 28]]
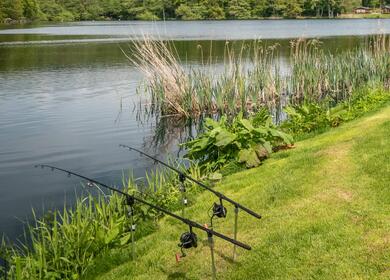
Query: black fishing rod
[[182, 174], [219, 210], [188, 238]]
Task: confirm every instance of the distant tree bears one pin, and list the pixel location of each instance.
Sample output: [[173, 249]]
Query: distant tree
[[64, 10], [31, 9], [186, 12], [216, 12], [294, 8], [12, 9], [239, 9]]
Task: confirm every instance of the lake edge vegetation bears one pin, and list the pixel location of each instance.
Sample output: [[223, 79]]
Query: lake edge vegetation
[[77, 10], [256, 77]]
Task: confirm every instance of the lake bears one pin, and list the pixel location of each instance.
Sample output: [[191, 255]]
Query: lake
[[68, 98]]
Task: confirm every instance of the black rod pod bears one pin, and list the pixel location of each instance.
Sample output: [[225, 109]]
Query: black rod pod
[[190, 223], [218, 194]]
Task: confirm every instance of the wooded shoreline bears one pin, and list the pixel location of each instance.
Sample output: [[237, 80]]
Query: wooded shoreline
[[22, 11]]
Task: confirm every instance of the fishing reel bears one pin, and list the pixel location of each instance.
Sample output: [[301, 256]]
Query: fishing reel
[[130, 203], [218, 211], [188, 240]]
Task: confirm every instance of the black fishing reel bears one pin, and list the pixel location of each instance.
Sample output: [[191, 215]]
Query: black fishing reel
[[218, 211], [188, 240]]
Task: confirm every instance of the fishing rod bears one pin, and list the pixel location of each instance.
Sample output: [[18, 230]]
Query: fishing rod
[[219, 210], [131, 199], [187, 239]]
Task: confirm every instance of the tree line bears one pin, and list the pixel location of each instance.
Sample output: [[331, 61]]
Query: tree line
[[74, 10]]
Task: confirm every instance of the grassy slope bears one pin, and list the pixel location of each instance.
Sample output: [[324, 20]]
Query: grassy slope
[[326, 208]]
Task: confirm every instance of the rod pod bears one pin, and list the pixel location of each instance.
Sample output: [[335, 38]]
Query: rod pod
[[211, 244], [219, 210], [130, 203], [216, 193], [190, 223], [235, 230]]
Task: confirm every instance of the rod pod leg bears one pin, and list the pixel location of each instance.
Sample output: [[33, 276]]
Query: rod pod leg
[[132, 242], [130, 203], [211, 244], [235, 230], [182, 189], [184, 201]]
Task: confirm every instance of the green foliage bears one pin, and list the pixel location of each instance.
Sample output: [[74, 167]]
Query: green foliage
[[60, 10], [146, 15], [11, 9], [185, 12], [310, 117], [246, 141], [239, 9]]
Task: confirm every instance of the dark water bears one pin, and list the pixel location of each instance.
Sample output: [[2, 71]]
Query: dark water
[[67, 97]]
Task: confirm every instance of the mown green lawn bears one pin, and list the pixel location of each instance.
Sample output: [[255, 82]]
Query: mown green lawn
[[326, 215]]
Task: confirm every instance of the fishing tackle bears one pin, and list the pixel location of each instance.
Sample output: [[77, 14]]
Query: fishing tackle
[[218, 209], [188, 240], [132, 199]]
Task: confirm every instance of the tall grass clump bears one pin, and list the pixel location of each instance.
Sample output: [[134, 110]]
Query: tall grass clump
[[63, 244], [254, 77]]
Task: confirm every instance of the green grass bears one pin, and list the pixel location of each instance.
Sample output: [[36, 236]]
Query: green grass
[[326, 215]]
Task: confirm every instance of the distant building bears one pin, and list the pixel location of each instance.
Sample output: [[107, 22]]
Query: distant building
[[362, 10], [386, 9]]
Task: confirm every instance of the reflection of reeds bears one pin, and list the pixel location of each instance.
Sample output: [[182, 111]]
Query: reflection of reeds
[[252, 78]]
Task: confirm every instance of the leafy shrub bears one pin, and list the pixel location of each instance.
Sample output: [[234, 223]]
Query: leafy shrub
[[245, 141], [308, 117], [312, 116]]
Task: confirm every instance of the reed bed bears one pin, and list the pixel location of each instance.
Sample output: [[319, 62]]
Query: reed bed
[[253, 78]]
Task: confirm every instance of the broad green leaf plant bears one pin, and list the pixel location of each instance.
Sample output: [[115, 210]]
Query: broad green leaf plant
[[245, 141]]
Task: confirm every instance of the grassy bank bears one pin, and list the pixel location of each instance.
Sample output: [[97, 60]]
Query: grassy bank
[[326, 216]]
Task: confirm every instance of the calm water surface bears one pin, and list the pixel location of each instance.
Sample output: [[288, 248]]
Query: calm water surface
[[67, 97]]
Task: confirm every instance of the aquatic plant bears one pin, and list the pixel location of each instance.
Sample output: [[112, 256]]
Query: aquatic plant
[[253, 78]]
